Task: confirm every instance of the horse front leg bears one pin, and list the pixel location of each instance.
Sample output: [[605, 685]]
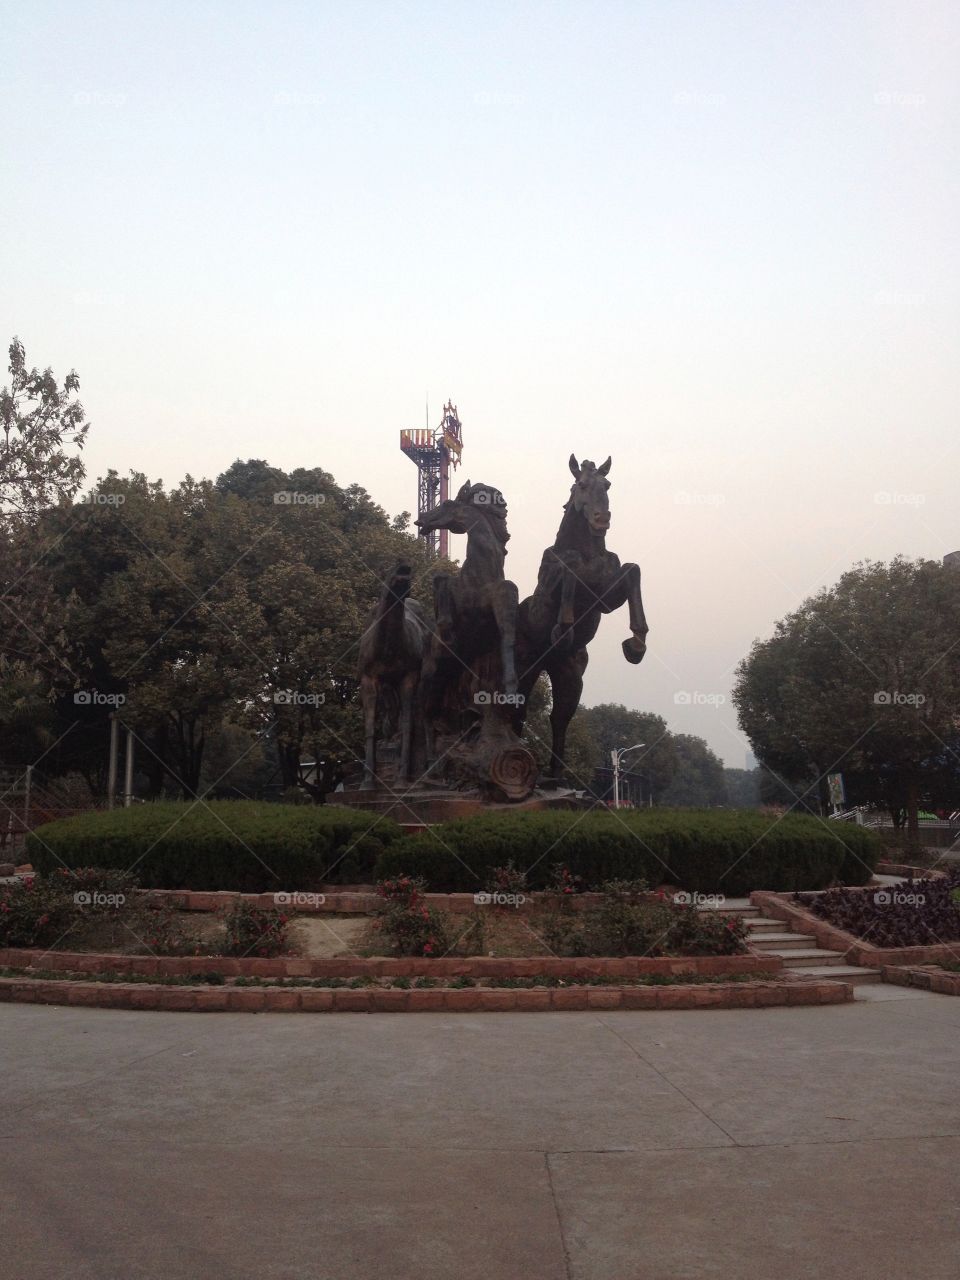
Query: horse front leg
[[566, 684], [561, 638], [407, 692], [429, 705], [506, 601], [443, 607], [626, 589], [368, 699]]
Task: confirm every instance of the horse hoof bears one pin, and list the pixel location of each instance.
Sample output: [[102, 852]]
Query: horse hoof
[[634, 649]]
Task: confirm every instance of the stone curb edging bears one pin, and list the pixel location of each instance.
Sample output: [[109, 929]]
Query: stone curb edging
[[902, 869], [855, 950], [927, 977], [754, 995], [389, 967]]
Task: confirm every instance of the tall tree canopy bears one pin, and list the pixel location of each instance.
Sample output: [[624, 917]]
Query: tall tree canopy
[[42, 422], [241, 601], [864, 679]]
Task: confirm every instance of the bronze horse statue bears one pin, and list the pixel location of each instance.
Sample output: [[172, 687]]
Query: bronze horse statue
[[393, 647], [470, 675], [579, 580], [466, 603]]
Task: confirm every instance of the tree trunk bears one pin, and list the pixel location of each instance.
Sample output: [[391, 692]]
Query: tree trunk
[[189, 756], [913, 820], [152, 762], [288, 755]]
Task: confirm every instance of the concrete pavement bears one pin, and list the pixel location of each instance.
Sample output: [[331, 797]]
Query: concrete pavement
[[608, 1146]]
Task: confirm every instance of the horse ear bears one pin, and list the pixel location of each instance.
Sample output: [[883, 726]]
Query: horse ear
[[464, 494], [574, 466], [602, 471]]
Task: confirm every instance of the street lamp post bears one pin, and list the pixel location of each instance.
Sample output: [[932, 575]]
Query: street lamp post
[[616, 755]]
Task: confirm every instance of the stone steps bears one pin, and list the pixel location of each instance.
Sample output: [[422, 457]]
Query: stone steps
[[797, 957], [738, 907], [852, 974], [803, 959], [781, 941]]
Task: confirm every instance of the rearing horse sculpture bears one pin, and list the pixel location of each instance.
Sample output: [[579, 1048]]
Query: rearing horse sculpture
[[470, 675], [466, 603], [579, 580]]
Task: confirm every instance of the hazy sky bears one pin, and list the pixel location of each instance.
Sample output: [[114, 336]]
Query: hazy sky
[[717, 241]]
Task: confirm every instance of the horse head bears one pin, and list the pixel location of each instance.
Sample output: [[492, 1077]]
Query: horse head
[[588, 496], [460, 514], [398, 584]]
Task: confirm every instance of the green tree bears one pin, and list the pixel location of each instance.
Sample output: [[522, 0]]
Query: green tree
[[611, 725], [41, 421], [207, 605], [864, 679], [743, 787], [697, 779]]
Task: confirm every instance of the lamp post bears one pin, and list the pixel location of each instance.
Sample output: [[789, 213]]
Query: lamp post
[[616, 755]]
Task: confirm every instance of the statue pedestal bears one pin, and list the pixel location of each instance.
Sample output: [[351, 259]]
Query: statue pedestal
[[421, 807]]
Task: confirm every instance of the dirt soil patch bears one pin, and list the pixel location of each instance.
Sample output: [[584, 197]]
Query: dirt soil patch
[[326, 936]]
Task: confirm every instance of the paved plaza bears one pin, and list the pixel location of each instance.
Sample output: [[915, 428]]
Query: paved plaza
[[740, 1144]]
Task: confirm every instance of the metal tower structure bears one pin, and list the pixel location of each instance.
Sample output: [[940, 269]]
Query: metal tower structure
[[435, 453]]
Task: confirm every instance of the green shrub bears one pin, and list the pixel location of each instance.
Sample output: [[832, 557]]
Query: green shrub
[[625, 922], [89, 907], [409, 926], [728, 851], [36, 912], [254, 931], [240, 845]]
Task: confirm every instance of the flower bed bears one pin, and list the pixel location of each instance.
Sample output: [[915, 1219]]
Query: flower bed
[[357, 901], [103, 911], [93, 906], [855, 950], [914, 913]]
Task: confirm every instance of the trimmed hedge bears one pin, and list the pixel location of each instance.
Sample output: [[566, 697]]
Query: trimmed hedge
[[728, 851], [255, 847], [241, 845]]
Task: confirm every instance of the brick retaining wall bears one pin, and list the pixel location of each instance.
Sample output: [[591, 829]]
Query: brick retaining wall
[[389, 967], [752, 995], [929, 978]]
